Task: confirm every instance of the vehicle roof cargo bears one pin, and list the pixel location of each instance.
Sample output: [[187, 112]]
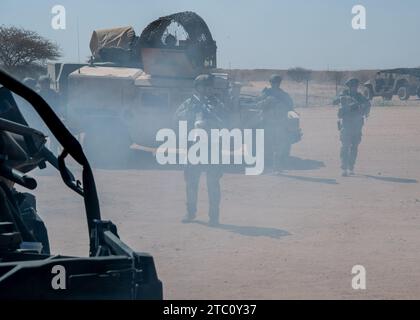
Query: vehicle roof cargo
[[107, 72], [122, 37]]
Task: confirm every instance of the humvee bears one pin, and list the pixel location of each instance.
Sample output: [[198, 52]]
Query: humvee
[[27, 267], [133, 85], [404, 82]]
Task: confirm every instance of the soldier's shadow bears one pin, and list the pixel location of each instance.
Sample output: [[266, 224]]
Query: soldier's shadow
[[391, 179], [249, 231], [296, 163], [309, 179]]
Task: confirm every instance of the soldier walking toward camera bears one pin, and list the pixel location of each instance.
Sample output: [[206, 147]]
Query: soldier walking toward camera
[[274, 104], [354, 108], [203, 110]]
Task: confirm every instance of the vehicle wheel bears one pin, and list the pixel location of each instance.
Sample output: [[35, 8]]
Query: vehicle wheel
[[368, 93], [107, 143], [403, 93]]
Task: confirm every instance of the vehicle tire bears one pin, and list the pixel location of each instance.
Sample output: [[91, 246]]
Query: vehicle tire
[[107, 143], [403, 93], [368, 92]]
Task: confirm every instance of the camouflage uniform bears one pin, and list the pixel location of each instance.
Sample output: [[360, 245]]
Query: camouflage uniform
[[209, 112], [274, 104], [354, 107]]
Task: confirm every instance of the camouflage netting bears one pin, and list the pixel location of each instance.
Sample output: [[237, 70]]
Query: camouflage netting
[[122, 46], [200, 44]]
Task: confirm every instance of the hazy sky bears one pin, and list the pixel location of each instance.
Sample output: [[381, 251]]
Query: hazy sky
[[314, 34]]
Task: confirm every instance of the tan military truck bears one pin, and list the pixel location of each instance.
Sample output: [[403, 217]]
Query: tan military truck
[[403, 82], [132, 86]]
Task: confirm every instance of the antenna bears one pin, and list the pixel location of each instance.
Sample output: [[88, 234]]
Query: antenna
[[78, 42]]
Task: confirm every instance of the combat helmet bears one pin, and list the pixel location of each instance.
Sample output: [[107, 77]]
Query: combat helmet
[[206, 80], [275, 78], [352, 82], [29, 82]]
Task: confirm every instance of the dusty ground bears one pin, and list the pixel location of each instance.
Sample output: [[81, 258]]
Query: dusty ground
[[291, 236]]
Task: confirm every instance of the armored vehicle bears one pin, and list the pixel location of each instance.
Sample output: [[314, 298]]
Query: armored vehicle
[[133, 85], [27, 267], [403, 82]]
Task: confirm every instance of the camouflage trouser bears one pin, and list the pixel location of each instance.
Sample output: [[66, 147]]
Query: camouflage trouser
[[192, 178], [276, 147], [350, 141]]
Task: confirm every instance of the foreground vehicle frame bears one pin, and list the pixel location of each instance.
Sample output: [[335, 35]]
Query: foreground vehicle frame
[[112, 270]]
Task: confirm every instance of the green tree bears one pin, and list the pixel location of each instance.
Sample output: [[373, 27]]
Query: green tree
[[24, 52]]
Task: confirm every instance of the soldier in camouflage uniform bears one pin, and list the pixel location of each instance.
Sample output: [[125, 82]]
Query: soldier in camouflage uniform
[[274, 105], [30, 82], [49, 95], [203, 110], [354, 108]]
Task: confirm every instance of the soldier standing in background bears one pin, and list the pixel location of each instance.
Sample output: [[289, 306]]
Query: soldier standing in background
[[203, 110], [354, 108], [30, 82], [274, 104], [49, 95]]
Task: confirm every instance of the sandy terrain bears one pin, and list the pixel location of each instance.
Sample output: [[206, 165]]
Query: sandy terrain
[[292, 236]]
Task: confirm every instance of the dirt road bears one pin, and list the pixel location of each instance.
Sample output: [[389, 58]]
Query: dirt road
[[297, 235]]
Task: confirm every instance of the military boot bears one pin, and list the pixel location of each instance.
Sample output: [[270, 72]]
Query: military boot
[[214, 217], [188, 218]]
